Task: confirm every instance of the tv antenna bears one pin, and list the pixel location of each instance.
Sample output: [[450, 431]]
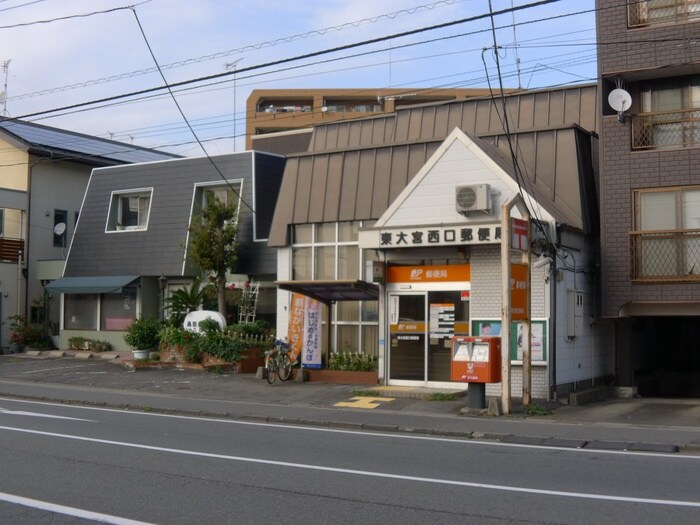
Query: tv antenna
[[620, 100], [3, 93]]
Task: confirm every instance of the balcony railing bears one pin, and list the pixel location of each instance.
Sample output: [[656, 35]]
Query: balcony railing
[[667, 129], [665, 255], [10, 249], [641, 13]]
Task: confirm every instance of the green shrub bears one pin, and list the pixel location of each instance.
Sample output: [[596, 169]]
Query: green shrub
[[143, 333], [352, 361], [78, 343], [100, 346]]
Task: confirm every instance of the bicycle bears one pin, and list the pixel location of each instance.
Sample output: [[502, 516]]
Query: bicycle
[[278, 363]]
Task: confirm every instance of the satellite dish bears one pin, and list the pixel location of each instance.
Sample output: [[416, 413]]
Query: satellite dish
[[324, 109], [619, 100], [60, 228]]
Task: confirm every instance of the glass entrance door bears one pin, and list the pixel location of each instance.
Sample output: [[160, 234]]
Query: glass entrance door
[[421, 326], [407, 337]]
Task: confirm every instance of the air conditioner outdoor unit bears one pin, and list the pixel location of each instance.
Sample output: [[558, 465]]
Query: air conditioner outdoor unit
[[475, 197]]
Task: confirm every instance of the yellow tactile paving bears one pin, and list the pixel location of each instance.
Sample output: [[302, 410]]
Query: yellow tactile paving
[[364, 402]]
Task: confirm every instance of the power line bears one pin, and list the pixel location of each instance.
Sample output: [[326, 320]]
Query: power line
[[294, 59], [182, 113], [250, 47]]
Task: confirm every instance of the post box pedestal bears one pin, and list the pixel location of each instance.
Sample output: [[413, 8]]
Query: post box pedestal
[[476, 395]]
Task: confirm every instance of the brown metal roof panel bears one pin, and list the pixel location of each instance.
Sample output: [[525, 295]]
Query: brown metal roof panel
[[331, 203], [354, 134], [319, 178], [427, 129], [589, 117], [572, 107], [526, 118], [303, 190], [513, 112], [482, 120], [382, 182], [567, 193], [349, 188], [379, 131], [284, 210], [343, 138], [456, 118], [556, 108], [402, 126], [545, 159], [399, 171], [541, 111], [415, 121], [366, 178], [442, 117]]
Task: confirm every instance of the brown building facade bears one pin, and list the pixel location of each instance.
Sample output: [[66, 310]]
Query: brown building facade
[[283, 110], [650, 191]]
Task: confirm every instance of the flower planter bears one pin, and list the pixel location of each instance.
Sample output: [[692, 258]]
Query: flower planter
[[345, 377], [141, 354], [251, 359]]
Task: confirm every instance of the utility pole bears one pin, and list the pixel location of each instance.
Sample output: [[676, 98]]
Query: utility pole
[[232, 66]]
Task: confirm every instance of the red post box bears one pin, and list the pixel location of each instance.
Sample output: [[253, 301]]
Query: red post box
[[476, 359]]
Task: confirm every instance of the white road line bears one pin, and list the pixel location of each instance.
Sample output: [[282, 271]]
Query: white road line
[[39, 414], [68, 511], [366, 433], [52, 369], [487, 486]]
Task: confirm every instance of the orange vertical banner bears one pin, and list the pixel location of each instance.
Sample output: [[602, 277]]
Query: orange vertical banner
[[296, 326]]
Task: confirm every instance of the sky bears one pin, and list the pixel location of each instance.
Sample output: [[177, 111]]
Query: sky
[[60, 53]]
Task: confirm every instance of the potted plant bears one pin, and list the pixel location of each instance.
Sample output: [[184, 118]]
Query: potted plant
[[142, 336], [18, 333]]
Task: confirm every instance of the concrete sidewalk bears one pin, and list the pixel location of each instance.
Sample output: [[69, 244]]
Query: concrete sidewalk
[[650, 425]]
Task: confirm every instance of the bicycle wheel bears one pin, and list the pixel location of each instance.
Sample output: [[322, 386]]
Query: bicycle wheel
[[285, 368], [270, 369]]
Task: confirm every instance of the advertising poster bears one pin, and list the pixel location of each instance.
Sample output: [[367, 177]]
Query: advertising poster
[[311, 353], [305, 331]]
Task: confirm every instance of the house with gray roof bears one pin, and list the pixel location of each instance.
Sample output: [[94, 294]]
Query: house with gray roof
[[129, 250], [43, 175]]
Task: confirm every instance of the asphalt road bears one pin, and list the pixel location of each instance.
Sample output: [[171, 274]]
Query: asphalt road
[[155, 468]]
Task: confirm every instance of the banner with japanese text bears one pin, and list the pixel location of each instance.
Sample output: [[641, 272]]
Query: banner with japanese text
[[305, 330], [311, 356]]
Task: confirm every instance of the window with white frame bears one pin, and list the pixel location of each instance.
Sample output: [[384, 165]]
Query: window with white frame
[[129, 210], [228, 192], [330, 251]]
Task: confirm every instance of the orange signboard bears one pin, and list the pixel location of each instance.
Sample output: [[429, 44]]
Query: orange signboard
[[518, 292], [429, 274]]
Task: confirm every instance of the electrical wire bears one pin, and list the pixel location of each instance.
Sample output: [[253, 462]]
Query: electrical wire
[[295, 58], [240, 50], [184, 117]]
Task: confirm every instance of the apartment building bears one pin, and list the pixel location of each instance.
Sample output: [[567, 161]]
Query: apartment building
[[650, 191], [297, 110]]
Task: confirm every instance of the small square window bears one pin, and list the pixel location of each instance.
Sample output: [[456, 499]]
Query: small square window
[[129, 210]]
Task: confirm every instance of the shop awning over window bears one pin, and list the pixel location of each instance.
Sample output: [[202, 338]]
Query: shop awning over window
[[101, 284], [330, 291]]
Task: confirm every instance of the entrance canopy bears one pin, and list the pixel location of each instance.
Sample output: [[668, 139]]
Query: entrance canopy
[[331, 291], [100, 284]]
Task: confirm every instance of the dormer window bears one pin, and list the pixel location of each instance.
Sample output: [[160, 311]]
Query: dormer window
[[129, 210]]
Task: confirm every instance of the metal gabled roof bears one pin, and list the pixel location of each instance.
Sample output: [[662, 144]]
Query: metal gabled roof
[[45, 140]]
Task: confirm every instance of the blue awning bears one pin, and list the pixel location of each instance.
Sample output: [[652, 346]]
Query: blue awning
[[101, 284]]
